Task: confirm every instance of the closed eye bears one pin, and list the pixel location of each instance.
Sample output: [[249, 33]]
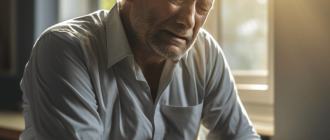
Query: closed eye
[[203, 10], [204, 6]]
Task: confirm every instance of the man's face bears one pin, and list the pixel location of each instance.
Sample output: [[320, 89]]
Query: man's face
[[168, 27]]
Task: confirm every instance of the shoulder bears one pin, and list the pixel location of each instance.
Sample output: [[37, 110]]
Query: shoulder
[[205, 58], [85, 34], [205, 49], [205, 39], [57, 47], [82, 26]]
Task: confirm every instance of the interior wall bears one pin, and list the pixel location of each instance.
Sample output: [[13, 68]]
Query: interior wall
[[5, 44], [302, 69], [10, 92]]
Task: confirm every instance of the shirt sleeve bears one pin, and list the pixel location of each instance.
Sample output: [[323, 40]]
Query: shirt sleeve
[[223, 113], [58, 98]]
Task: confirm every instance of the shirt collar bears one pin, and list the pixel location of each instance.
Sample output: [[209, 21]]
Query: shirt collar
[[117, 43]]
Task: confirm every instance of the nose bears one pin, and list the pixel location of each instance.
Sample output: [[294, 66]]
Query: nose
[[187, 16]]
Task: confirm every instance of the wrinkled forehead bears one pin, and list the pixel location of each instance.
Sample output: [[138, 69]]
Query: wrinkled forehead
[[209, 2]]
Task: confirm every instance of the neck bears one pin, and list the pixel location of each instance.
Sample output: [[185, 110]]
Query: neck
[[146, 61]]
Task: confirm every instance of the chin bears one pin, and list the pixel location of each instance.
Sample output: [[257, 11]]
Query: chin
[[170, 52]]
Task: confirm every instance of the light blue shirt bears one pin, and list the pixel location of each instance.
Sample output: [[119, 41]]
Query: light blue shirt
[[81, 82]]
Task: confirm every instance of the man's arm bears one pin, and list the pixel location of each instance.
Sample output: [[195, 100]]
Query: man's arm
[[223, 112], [59, 102]]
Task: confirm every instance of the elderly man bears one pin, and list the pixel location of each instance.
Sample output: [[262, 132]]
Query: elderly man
[[143, 70]]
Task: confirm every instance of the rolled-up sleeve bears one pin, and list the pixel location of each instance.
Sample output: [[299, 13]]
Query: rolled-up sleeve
[[58, 98], [223, 113]]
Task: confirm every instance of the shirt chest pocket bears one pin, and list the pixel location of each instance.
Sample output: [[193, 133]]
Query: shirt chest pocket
[[182, 123]]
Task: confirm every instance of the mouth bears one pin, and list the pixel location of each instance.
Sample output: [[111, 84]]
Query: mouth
[[175, 35]]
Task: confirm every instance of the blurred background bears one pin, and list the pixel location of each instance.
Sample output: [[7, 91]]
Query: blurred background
[[278, 51]]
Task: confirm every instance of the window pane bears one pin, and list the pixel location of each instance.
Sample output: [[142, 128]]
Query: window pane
[[73, 8], [107, 4], [243, 33]]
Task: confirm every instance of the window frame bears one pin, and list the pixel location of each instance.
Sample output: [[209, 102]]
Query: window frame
[[246, 80], [258, 102]]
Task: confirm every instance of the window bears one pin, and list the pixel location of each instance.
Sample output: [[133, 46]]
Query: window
[[106, 4], [68, 9], [74, 8], [243, 28]]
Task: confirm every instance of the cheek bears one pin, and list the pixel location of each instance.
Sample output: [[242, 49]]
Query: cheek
[[163, 9]]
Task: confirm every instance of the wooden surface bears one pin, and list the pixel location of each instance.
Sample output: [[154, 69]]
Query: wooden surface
[[9, 134], [11, 124], [264, 128]]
